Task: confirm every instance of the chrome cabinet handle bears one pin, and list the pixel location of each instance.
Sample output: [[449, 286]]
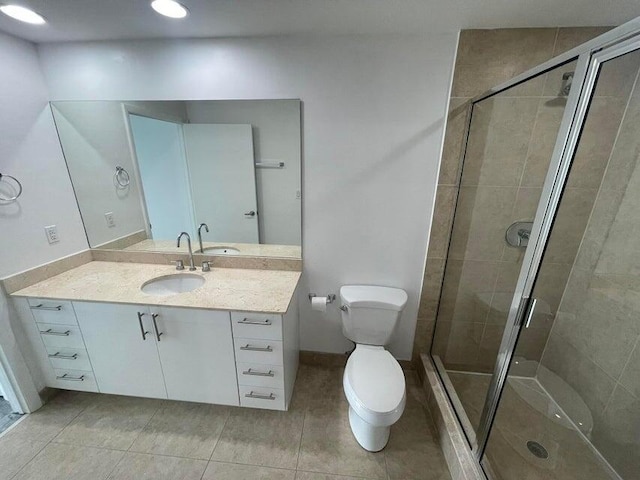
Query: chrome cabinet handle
[[257, 349], [155, 325], [41, 306], [65, 357], [247, 321], [256, 373], [69, 378], [252, 394], [250, 214], [58, 334], [142, 330]]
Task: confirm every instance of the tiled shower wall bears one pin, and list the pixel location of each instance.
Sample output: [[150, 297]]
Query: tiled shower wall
[[487, 58], [594, 345]]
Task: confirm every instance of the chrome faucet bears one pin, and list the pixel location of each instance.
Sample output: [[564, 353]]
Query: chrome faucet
[[206, 227], [192, 267]]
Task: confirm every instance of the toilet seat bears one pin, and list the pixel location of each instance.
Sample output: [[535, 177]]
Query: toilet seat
[[374, 385]]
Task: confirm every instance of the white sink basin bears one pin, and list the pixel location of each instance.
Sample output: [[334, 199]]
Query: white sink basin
[[172, 284], [222, 251]]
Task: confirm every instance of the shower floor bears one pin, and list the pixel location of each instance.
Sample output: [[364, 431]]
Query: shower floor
[[7, 417], [527, 413]]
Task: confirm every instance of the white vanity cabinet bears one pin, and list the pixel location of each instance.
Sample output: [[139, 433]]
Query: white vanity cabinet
[[122, 348], [198, 355]]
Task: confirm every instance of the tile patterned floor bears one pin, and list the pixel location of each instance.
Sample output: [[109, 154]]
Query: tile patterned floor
[[87, 436]]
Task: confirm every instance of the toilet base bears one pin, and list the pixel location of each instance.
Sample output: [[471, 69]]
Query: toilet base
[[369, 437]]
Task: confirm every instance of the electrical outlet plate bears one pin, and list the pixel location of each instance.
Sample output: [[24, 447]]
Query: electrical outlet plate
[[111, 222], [52, 234]]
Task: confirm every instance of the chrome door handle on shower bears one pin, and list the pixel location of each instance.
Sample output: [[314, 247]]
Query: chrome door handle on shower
[[155, 325], [250, 214], [532, 307]]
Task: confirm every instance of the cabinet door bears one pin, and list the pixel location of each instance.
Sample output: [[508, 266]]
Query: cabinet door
[[196, 351], [124, 358]]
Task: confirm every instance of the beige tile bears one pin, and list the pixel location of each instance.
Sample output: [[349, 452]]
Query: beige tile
[[617, 76], [596, 143], [328, 446], [624, 157], [260, 437], [554, 82], [467, 291], [112, 422], [432, 283], [413, 450], [460, 347], [543, 140], [134, 466], [68, 462], [482, 217], [183, 429], [531, 342], [470, 80], [314, 379], [15, 453], [47, 422], [442, 220], [571, 37], [231, 471], [499, 140], [524, 210], [489, 346], [453, 141], [615, 433]]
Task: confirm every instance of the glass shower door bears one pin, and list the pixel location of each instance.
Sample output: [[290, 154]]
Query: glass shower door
[[510, 143], [570, 407]]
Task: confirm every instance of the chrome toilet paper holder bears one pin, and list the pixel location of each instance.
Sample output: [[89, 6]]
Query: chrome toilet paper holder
[[330, 298]]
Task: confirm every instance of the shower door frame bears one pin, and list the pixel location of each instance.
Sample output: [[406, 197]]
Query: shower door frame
[[589, 56]]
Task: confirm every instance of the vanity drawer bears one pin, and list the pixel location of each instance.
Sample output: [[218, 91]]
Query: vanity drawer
[[73, 358], [261, 397], [264, 352], [255, 374], [73, 380], [52, 311], [60, 335], [256, 325]]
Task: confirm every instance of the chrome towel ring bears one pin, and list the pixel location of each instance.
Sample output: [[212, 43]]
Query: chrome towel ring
[[122, 177], [17, 182]]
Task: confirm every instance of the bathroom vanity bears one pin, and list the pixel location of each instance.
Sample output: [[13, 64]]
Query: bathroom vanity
[[230, 338]]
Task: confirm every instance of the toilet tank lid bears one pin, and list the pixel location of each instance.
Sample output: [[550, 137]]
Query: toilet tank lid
[[370, 296]]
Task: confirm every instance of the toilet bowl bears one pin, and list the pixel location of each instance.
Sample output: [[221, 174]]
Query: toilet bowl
[[375, 389], [373, 380]]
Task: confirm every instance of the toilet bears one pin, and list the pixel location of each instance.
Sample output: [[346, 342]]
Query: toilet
[[373, 380]]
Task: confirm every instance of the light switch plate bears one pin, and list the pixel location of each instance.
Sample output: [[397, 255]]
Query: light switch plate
[[52, 234], [111, 222]]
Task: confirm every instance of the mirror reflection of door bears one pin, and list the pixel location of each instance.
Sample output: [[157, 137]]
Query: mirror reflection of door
[[163, 171], [223, 181]]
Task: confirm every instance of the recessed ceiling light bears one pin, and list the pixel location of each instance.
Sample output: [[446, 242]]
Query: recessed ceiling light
[[23, 14], [169, 8]]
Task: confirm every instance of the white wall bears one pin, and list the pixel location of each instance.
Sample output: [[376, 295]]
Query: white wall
[[276, 136], [373, 115], [29, 150]]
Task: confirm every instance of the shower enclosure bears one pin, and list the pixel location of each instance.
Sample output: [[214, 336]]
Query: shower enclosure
[[537, 336]]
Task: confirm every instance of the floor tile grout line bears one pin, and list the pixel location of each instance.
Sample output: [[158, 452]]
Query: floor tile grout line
[[162, 402], [304, 421], [224, 425]]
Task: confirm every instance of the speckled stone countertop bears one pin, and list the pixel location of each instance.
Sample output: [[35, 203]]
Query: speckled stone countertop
[[268, 291]]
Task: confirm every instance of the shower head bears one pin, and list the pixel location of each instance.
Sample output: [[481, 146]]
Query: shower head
[[567, 80]]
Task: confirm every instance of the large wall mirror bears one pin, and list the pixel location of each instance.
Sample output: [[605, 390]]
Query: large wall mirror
[[145, 171]]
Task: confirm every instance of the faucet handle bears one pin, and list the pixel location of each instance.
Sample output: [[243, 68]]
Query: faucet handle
[[179, 264], [206, 266]]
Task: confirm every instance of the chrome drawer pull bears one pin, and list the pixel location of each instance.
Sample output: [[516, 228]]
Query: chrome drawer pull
[[256, 373], [247, 321], [58, 334], [42, 307], [251, 394], [257, 349], [70, 379], [65, 357]]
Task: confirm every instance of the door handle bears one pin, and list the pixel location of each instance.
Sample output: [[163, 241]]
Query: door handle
[[250, 214], [532, 307], [142, 330], [155, 325]]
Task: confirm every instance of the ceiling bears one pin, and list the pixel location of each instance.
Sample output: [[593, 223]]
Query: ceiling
[[70, 20]]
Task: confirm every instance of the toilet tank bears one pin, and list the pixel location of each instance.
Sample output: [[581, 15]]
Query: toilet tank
[[370, 313]]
